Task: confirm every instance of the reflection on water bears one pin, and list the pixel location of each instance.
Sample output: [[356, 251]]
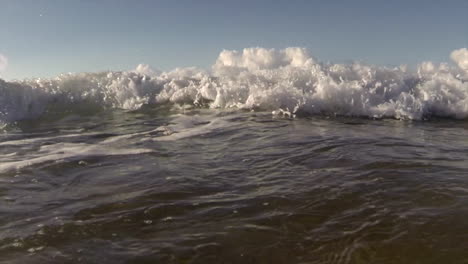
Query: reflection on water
[[222, 187]]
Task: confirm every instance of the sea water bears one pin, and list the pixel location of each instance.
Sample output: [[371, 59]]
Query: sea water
[[269, 157]]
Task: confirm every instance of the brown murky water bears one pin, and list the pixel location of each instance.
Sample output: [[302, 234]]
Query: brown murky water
[[233, 187]]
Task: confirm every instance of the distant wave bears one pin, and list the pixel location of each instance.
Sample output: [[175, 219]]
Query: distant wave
[[285, 81]]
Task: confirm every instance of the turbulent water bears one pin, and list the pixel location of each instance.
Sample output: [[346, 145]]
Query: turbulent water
[[269, 157], [285, 81]]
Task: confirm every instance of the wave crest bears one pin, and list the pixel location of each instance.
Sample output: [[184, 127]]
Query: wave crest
[[283, 81]]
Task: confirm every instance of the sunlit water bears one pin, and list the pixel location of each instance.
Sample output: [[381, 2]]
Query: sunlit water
[[207, 186]]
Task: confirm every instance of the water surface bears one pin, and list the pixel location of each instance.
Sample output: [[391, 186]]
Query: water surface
[[218, 186]]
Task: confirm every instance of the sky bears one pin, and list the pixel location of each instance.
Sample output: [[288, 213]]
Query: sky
[[43, 38]]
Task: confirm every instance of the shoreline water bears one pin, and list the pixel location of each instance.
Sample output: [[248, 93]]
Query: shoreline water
[[232, 186]]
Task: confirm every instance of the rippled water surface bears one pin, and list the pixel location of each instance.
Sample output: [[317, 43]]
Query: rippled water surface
[[206, 186]]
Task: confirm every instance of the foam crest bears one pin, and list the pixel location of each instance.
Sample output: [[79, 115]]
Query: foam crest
[[287, 81], [260, 58], [3, 62], [460, 57]]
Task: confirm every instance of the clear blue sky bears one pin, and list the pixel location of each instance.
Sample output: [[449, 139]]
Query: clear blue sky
[[42, 38]]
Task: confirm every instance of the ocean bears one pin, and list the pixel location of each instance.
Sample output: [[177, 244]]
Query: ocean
[[269, 157]]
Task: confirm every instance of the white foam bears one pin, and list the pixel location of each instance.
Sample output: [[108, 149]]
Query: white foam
[[3, 62], [259, 58], [184, 126], [21, 142], [66, 151], [460, 56], [281, 81]]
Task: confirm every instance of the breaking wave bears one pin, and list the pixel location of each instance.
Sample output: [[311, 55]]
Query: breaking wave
[[288, 81]]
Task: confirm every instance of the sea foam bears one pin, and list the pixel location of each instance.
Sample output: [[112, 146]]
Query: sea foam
[[287, 81]]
